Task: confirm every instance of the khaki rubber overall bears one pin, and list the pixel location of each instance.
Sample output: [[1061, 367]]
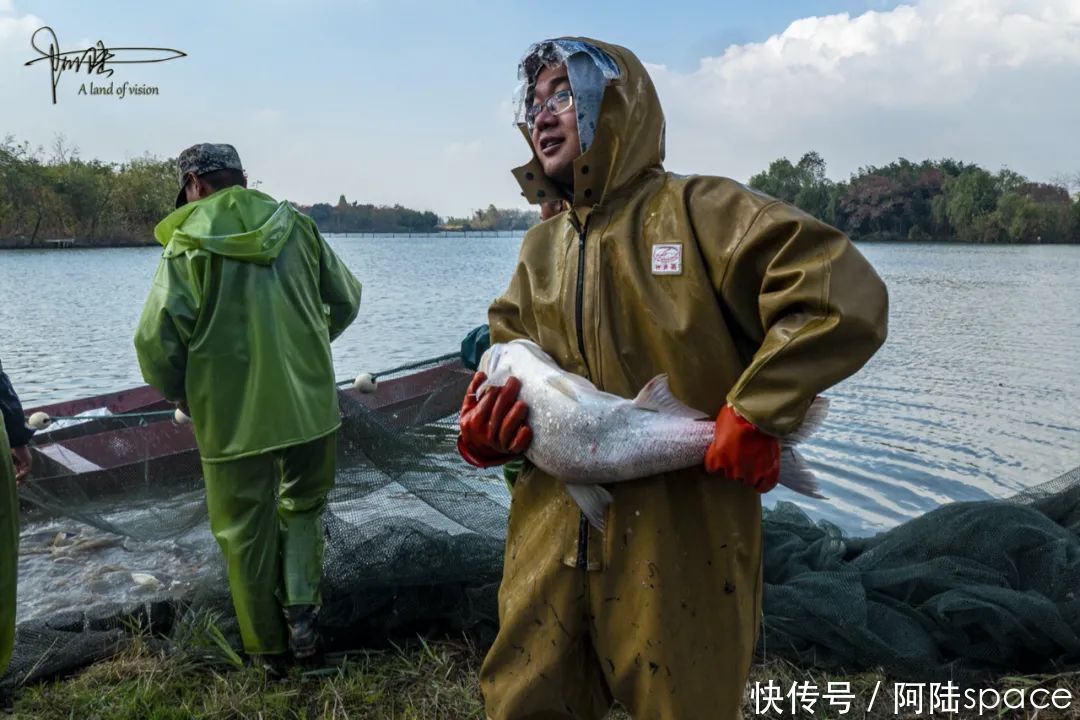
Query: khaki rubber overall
[[769, 308]]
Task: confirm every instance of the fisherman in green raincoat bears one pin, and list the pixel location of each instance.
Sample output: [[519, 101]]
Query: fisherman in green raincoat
[[236, 331], [14, 466]]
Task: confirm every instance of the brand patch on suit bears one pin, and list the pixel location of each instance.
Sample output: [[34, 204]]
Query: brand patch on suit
[[667, 259]]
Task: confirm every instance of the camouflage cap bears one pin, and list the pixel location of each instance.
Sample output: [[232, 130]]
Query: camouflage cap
[[204, 158]]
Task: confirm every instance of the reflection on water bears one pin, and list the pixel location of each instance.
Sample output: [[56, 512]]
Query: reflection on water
[[975, 394]]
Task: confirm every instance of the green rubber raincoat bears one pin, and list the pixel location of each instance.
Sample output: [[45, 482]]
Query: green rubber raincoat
[[9, 550], [239, 321], [738, 298], [13, 431]]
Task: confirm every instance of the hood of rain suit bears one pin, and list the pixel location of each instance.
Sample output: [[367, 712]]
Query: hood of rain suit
[[236, 223], [628, 137]]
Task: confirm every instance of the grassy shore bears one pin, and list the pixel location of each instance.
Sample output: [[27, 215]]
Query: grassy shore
[[152, 681]]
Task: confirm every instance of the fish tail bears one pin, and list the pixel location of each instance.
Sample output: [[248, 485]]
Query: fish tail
[[812, 422], [593, 501], [797, 475]]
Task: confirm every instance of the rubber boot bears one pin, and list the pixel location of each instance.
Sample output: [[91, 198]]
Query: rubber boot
[[304, 639]]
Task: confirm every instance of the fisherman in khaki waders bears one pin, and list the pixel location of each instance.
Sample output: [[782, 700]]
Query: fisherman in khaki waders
[[749, 305], [14, 467], [237, 331]]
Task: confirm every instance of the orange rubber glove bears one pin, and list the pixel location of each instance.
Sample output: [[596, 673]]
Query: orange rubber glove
[[741, 452], [493, 430]]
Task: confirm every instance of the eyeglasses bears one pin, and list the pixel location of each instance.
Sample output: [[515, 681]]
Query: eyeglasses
[[558, 103]]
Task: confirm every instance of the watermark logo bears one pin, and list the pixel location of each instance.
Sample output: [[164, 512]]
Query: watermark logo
[[98, 62], [805, 699]]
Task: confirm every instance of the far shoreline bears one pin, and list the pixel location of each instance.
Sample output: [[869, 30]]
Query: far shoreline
[[463, 234], [76, 245]]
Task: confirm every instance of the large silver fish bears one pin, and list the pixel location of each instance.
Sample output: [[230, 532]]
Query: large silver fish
[[587, 437]]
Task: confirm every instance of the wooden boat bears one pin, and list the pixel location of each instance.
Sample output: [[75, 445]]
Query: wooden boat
[[97, 449]]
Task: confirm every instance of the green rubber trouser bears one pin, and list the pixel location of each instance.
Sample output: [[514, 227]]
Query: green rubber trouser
[[9, 550], [266, 512], [511, 470]]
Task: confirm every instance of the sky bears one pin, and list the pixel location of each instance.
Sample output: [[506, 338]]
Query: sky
[[410, 101]]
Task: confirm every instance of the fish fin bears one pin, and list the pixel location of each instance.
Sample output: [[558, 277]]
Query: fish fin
[[483, 387], [564, 384], [656, 396], [485, 362], [537, 352], [567, 383], [796, 475], [812, 422], [593, 501]]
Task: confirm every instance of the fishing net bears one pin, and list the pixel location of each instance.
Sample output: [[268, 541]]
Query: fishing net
[[966, 590], [415, 540], [414, 535]]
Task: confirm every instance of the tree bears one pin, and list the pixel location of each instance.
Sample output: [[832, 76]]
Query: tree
[[930, 200], [969, 199], [143, 194], [803, 184], [496, 219], [782, 180], [84, 190]]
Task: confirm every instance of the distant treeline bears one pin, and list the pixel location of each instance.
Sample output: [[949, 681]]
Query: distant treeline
[[495, 219], [99, 203], [942, 200], [353, 217], [96, 203], [346, 217]]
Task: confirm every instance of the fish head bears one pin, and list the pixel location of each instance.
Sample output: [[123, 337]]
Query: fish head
[[520, 358]]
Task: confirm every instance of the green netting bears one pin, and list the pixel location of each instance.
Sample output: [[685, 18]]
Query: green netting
[[969, 588], [415, 540]]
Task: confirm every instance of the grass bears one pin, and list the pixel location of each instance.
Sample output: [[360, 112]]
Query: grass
[[148, 683], [198, 676]]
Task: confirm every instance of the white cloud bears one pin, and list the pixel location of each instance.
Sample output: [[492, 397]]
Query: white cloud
[[15, 30], [989, 81], [15, 79]]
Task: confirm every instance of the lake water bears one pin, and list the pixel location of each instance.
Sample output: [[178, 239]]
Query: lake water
[[975, 395]]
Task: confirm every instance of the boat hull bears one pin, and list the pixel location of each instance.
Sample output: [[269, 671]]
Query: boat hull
[[102, 452]]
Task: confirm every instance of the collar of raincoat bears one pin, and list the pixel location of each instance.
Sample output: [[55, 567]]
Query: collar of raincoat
[[236, 223], [628, 141]]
